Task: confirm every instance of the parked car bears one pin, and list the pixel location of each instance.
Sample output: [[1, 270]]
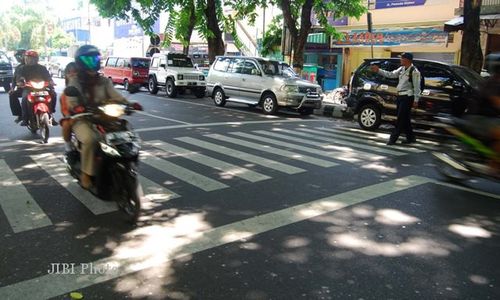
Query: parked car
[[258, 81], [445, 89], [6, 71], [175, 72], [131, 72], [57, 64]]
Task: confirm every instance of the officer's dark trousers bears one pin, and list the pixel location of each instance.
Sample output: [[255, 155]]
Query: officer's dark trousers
[[15, 106], [403, 123]]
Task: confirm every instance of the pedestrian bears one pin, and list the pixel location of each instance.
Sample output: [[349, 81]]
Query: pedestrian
[[408, 95]]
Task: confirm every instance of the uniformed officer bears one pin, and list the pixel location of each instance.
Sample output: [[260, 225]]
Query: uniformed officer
[[408, 95]]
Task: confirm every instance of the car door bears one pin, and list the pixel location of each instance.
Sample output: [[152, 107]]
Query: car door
[[162, 70], [118, 73], [251, 82], [233, 78], [439, 92]]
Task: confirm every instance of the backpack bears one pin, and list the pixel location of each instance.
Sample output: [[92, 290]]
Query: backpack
[[422, 79]]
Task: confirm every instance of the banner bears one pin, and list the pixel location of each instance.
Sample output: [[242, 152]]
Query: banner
[[381, 4], [124, 29]]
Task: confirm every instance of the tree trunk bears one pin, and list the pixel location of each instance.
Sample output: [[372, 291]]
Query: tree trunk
[[215, 42], [192, 23], [472, 56]]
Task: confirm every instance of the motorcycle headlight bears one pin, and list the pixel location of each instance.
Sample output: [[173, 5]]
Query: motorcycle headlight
[[180, 76], [113, 110], [37, 84], [109, 150], [290, 88]]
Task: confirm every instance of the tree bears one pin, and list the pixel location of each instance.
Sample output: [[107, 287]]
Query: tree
[[10, 36], [472, 55], [26, 20], [297, 17], [61, 40], [272, 37]]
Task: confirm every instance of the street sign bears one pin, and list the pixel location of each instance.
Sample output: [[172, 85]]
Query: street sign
[[155, 40]]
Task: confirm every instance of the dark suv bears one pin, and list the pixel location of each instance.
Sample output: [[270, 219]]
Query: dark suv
[[445, 89]]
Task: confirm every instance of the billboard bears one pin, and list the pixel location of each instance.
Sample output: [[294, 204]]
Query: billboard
[[381, 4], [125, 29]]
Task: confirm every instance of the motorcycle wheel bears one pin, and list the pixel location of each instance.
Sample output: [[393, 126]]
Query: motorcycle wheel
[[44, 127], [128, 194]]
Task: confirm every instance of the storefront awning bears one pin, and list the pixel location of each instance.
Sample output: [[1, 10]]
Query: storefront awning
[[457, 23], [317, 38]]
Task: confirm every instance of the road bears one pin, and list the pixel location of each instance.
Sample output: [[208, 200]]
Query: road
[[240, 205]]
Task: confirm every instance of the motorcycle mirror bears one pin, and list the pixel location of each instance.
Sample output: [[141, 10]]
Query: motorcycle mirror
[[71, 91]]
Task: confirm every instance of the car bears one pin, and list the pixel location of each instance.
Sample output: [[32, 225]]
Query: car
[[446, 89], [57, 64], [6, 71], [131, 72], [175, 73], [258, 81]]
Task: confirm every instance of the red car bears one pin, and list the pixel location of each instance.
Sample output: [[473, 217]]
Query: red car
[[131, 72]]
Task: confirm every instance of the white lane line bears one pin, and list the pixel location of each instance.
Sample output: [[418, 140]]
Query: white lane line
[[21, 210], [181, 173], [275, 151], [174, 240], [341, 153], [233, 124], [344, 143], [470, 190], [253, 159], [338, 155], [56, 169], [155, 192], [373, 140], [229, 170], [162, 118], [384, 135]]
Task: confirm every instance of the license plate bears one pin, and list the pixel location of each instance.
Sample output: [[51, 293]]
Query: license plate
[[192, 83], [38, 94]]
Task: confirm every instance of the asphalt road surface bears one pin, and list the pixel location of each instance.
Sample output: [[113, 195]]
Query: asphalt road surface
[[239, 205]]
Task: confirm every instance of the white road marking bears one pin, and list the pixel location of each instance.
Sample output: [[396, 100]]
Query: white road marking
[[385, 135], [233, 124], [56, 169], [254, 159], [162, 118], [341, 142], [227, 168], [338, 155], [275, 151], [341, 153], [346, 135], [463, 188], [181, 173], [21, 210], [180, 241], [155, 192]]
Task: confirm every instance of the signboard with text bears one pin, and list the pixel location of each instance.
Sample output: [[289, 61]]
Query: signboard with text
[[124, 29], [381, 4]]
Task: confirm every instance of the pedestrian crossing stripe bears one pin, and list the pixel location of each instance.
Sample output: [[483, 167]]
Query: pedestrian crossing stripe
[[254, 159], [368, 140], [154, 192], [343, 143], [21, 210], [229, 170], [275, 151], [200, 181]]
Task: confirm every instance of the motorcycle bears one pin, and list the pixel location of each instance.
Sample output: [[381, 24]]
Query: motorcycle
[[116, 157], [464, 153], [39, 98]]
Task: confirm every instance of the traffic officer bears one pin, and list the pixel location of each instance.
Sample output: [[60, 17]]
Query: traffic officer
[[408, 95]]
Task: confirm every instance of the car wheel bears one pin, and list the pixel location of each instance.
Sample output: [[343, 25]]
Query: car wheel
[[152, 86], [171, 89], [219, 97], [126, 85], [269, 104], [369, 117]]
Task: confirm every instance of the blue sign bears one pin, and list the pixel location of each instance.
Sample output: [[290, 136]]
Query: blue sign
[[124, 29], [381, 4]]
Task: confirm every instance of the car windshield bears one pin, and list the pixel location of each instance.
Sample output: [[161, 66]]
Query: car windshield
[[276, 68], [179, 60], [471, 77], [140, 63], [4, 59]]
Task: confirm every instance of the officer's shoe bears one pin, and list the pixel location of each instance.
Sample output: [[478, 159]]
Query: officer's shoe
[[390, 143], [24, 123], [18, 119]]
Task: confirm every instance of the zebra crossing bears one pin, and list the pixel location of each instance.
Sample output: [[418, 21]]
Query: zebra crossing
[[254, 156]]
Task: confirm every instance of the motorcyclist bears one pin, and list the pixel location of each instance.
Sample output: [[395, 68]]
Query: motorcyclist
[[34, 71], [93, 90], [16, 93]]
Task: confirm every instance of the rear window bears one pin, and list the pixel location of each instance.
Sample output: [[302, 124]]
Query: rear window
[[221, 64], [365, 73], [140, 63], [179, 60]]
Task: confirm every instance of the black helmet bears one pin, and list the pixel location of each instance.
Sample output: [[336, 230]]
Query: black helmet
[[19, 55], [88, 58], [492, 63]]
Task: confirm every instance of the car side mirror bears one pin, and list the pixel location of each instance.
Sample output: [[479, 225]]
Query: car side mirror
[[163, 66]]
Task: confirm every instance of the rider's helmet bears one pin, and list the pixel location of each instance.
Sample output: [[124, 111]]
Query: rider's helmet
[[19, 55], [492, 63], [31, 57], [88, 58]]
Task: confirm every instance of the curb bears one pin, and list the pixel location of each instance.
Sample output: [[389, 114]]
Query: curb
[[334, 111]]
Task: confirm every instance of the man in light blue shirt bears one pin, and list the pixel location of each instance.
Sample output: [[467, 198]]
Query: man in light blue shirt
[[408, 95]]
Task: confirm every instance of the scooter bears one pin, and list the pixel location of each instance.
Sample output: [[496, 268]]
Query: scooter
[[464, 153], [117, 157], [39, 98]]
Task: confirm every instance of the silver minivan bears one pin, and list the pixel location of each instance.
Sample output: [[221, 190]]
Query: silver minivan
[[258, 81]]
